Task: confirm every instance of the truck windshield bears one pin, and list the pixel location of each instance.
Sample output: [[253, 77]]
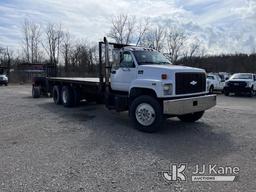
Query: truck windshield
[[150, 58], [241, 76]]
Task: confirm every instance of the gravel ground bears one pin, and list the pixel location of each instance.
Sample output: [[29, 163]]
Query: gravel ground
[[44, 147]]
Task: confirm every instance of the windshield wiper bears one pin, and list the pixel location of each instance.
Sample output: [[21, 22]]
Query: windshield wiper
[[146, 62], [164, 63]]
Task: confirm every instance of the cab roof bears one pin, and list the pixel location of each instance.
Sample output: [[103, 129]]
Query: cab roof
[[136, 48]]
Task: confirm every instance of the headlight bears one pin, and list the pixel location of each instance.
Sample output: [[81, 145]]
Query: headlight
[[167, 89], [248, 84]]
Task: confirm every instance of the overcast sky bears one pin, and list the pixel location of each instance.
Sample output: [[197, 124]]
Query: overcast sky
[[224, 26]]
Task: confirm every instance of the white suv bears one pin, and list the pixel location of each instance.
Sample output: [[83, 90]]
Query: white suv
[[241, 83]]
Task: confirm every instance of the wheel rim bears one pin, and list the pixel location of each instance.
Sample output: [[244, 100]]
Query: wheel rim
[[145, 114], [64, 96]]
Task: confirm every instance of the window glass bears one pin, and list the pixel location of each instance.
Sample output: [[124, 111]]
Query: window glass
[[127, 60], [210, 77], [150, 58], [242, 76]]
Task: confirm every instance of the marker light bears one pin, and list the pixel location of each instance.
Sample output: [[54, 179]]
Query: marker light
[[164, 76]]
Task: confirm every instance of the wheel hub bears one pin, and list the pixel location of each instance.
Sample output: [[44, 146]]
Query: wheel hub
[[145, 114]]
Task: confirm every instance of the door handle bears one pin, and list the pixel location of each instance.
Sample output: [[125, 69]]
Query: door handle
[[113, 72]]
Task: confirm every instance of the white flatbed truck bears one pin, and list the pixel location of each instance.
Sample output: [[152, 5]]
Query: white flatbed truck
[[139, 80]]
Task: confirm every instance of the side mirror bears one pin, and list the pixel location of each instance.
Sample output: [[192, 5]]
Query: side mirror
[[226, 78]]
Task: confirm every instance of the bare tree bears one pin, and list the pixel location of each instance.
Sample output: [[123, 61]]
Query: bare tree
[[126, 28], [192, 49], [54, 37], [155, 38], [66, 50], [31, 41], [118, 29], [94, 57], [122, 29], [175, 41], [130, 27], [5, 59], [143, 27]]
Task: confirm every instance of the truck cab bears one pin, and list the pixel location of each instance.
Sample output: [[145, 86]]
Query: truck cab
[[144, 82], [149, 69]]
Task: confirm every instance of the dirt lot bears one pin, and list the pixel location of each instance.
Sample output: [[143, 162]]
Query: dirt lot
[[44, 147]]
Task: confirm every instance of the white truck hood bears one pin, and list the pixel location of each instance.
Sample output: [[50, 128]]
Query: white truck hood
[[173, 68], [154, 72], [243, 80]]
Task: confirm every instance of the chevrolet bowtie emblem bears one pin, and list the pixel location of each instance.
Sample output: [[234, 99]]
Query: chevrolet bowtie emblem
[[193, 82]]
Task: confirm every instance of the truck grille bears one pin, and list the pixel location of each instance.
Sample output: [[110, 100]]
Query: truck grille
[[237, 84], [189, 83]]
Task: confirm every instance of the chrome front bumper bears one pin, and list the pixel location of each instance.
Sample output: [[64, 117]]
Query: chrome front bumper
[[189, 105]]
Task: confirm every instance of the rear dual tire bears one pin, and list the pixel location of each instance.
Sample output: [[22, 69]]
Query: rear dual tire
[[36, 92], [56, 95], [66, 95]]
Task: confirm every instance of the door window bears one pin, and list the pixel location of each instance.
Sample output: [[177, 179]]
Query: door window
[[127, 60], [210, 77]]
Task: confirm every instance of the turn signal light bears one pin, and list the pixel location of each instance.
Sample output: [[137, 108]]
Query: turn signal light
[[164, 76]]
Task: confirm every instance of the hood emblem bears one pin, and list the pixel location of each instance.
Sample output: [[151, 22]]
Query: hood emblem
[[193, 83]]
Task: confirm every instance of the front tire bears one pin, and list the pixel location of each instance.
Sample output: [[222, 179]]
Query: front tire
[[193, 117], [211, 90], [146, 114], [251, 93], [226, 93]]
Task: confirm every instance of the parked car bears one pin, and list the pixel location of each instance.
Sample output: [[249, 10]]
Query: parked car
[[3, 80], [241, 83], [224, 75], [214, 83]]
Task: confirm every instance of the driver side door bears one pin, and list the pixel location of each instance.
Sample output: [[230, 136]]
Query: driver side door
[[122, 77]]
